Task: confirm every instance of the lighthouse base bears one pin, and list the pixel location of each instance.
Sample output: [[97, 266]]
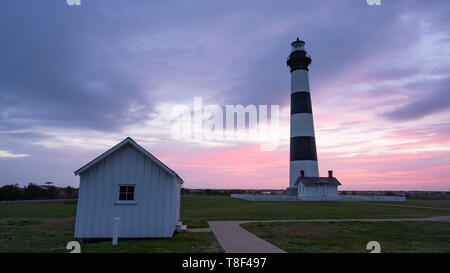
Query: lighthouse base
[[310, 167], [292, 191]]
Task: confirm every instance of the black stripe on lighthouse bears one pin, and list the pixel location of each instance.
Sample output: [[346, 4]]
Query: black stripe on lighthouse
[[303, 148], [301, 103]]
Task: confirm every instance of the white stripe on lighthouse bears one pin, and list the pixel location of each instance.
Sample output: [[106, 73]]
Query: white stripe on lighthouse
[[299, 81], [302, 124], [310, 167]]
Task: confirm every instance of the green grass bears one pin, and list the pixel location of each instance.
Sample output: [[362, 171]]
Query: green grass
[[352, 237], [424, 203], [53, 234], [42, 210], [48, 227], [32, 234], [196, 211], [188, 242]]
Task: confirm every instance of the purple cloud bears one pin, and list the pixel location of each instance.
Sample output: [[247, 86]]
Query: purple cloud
[[106, 65], [425, 105]]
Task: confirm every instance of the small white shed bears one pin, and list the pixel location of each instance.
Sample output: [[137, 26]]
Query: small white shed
[[317, 188], [130, 183]]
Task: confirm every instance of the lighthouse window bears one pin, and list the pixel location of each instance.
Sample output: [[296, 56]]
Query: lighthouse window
[[298, 47]]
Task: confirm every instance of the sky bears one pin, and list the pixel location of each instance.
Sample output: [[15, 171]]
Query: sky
[[76, 80]]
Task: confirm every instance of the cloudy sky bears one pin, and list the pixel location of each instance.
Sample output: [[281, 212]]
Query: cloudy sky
[[75, 80]]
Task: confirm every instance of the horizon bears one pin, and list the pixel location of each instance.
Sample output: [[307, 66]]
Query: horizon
[[77, 80]]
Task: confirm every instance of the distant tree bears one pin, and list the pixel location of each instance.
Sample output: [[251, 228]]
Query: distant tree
[[51, 192], [10, 192], [33, 192], [71, 192]]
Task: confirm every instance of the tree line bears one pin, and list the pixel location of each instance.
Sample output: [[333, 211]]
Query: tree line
[[35, 192]]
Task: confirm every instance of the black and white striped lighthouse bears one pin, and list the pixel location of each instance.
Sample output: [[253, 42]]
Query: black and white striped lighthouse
[[303, 154]]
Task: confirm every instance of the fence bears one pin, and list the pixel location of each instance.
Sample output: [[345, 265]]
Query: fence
[[347, 197], [38, 201], [265, 197], [352, 197]]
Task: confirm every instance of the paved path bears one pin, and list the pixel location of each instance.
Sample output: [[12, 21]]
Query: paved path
[[235, 239]]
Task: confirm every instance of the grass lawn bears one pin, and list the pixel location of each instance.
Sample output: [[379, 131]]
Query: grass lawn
[[48, 227], [188, 242], [196, 211], [424, 203], [35, 234], [352, 237], [48, 210]]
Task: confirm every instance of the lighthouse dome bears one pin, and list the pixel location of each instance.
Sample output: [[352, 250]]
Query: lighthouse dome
[[299, 58]]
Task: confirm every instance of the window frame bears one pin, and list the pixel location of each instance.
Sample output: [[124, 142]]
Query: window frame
[[127, 194]]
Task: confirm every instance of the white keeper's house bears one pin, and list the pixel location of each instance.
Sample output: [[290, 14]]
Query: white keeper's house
[[317, 188], [128, 183]]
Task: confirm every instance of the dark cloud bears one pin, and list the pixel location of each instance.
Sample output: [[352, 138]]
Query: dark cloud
[[58, 71], [87, 66], [434, 102]]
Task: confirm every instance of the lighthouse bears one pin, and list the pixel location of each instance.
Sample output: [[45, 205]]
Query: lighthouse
[[303, 154], [304, 181]]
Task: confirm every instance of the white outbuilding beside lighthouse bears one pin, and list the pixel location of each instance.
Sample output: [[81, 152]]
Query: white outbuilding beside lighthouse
[[130, 187], [317, 188]]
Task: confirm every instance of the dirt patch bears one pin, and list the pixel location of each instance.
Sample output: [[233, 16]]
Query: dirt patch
[[21, 223], [302, 229]]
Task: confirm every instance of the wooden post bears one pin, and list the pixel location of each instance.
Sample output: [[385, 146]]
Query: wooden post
[[115, 230]]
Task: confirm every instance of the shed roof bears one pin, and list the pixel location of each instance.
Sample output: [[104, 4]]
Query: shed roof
[[130, 141], [313, 181]]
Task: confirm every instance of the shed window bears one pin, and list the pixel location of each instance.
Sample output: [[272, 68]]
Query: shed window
[[126, 193]]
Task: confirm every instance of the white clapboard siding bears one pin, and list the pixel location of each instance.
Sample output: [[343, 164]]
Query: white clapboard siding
[[155, 210]]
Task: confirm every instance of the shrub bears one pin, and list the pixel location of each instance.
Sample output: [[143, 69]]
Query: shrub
[[10, 192]]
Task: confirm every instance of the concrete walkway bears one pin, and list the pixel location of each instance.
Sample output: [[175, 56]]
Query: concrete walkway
[[235, 239]]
